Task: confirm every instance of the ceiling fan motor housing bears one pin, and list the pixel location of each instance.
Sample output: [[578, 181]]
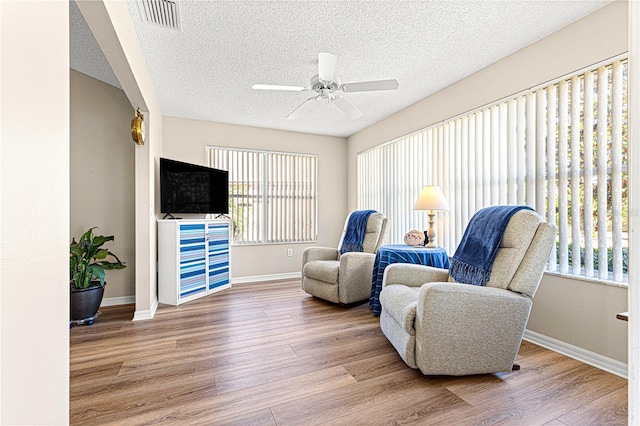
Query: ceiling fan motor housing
[[323, 87]]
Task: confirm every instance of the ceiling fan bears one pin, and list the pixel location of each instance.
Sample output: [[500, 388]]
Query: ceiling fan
[[326, 86]]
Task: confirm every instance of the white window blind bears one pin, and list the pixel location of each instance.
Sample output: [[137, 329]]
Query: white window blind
[[560, 149], [272, 195]]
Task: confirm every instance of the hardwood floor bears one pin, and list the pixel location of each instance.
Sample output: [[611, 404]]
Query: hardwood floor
[[269, 354]]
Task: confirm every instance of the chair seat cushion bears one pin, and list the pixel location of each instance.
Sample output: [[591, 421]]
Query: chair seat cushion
[[323, 270], [400, 302]]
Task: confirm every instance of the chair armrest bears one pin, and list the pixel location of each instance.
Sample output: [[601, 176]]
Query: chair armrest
[[456, 300], [413, 275], [319, 253], [356, 273], [485, 324], [354, 260]]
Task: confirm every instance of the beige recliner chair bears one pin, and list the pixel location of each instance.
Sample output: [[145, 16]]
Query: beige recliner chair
[[448, 328], [343, 278]]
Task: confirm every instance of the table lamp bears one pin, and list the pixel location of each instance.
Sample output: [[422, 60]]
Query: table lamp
[[431, 199]]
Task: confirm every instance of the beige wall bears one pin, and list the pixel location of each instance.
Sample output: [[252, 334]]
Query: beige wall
[[34, 213], [583, 314], [562, 305], [185, 140], [102, 175], [112, 28]]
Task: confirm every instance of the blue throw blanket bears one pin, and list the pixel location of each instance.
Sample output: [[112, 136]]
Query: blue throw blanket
[[356, 228], [473, 260]]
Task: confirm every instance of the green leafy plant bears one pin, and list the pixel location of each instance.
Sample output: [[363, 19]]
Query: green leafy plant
[[88, 261], [596, 258]]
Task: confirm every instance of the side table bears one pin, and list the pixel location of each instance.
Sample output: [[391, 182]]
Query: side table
[[402, 253]]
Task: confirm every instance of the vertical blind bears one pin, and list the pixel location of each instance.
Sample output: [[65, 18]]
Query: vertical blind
[[272, 195], [560, 149]]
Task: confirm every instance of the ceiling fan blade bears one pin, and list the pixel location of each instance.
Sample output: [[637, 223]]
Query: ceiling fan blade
[[296, 112], [326, 66], [368, 86], [348, 108], [278, 87]]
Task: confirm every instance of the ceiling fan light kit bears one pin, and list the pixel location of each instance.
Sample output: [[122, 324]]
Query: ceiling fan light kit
[[325, 85]]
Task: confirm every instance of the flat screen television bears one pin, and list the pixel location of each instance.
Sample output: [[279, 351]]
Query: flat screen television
[[189, 188]]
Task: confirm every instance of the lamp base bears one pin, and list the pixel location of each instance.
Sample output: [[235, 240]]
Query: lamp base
[[431, 233]]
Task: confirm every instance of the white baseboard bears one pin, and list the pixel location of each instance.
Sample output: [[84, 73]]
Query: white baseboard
[[114, 301], [126, 300], [602, 362], [146, 315], [260, 278]]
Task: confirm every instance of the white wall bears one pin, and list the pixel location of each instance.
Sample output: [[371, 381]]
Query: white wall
[[34, 212], [562, 306], [185, 140], [102, 173], [634, 215]]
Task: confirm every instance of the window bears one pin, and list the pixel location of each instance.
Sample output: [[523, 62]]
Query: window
[[272, 195], [561, 149]]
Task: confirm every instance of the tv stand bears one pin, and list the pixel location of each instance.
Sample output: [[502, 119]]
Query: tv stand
[[193, 259]]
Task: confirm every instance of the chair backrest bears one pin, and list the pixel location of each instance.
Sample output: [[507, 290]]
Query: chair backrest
[[375, 233], [523, 253]]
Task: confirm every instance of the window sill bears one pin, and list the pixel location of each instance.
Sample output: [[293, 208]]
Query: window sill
[[590, 280]]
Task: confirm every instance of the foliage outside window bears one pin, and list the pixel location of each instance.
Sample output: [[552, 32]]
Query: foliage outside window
[[272, 195]]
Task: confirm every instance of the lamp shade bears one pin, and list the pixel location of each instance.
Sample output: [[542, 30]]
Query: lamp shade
[[431, 198]]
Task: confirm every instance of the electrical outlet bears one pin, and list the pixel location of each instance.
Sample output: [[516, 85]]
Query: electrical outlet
[[289, 252]]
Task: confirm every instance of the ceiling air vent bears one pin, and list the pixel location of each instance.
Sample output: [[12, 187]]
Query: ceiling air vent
[[165, 13]]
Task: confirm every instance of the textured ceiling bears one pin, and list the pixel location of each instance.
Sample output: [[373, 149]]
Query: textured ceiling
[[206, 70]]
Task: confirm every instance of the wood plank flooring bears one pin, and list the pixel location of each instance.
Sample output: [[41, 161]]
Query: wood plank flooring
[[269, 354]]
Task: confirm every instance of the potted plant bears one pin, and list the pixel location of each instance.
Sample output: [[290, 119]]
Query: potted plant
[[88, 261]]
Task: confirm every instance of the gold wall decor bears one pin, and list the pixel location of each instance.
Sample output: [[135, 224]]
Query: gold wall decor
[[137, 128]]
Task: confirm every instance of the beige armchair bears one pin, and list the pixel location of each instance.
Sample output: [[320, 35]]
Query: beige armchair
[[448, 328], [343, 278]]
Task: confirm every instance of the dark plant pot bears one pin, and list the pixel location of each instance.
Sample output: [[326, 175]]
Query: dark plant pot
[[86, 301]]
